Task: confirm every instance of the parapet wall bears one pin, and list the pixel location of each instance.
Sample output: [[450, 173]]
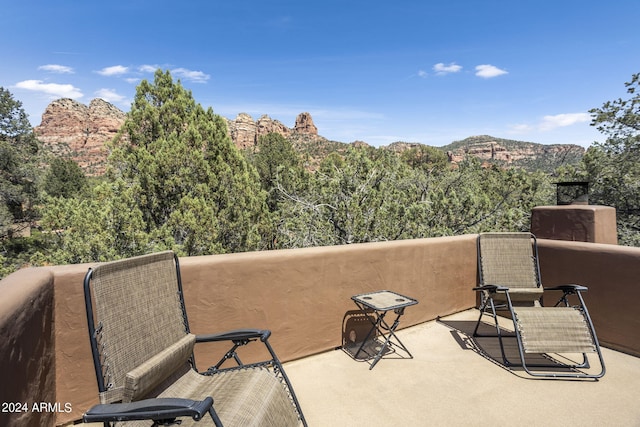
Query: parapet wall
[[27, 348], [301, 295], [611, 274]]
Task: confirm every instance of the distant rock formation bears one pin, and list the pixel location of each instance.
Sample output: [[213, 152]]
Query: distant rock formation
[[245, 132], [70, 128], [304, 125], [79, 131], [530, 155], [266, 125]]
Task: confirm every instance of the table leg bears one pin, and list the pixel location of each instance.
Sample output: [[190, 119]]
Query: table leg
[[390, 333]]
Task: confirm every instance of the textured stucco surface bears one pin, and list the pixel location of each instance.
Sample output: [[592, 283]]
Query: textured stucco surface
[[579, 223], [301, 295]]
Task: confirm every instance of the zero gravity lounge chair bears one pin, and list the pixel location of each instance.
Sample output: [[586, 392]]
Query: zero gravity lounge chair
[[143, 356], [510, 280]]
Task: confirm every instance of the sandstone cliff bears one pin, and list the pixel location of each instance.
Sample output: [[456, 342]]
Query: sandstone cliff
[[505, 152], [245, 132], [304, 125], [73, 129]]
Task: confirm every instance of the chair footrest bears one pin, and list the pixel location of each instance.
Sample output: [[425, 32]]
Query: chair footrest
[[554, 330]]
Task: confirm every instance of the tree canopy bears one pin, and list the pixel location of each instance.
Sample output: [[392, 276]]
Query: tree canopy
[[613, 166], [64, 178], [174, 180], [19, 166]]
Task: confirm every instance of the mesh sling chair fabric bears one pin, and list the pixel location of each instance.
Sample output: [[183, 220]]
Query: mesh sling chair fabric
[[143, 356], [510, 280]]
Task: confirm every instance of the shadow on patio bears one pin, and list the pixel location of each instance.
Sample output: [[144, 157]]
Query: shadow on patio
[[455, 379]]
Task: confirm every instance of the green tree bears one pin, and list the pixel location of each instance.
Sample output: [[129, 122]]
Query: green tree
[[19, 173], [64, 178], [280, 168], [613, 167], [428, 159], [104, 226], [176, 157], [174, 181], [363, 197], [471, 198], [619, 120], [374, 195], [282, 177]]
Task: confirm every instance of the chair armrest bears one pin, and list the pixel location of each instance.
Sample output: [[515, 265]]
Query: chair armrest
[[491, 288], [567, 288], [149, 409], [235, 335]]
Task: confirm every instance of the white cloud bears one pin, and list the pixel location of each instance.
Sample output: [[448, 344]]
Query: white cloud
[[55, 89], [487, 71], [148, 68], [55, 68], [562, 120], [115, 70], [422, 73], [110, 95], [442, 69], [193, 76], [182, 73]]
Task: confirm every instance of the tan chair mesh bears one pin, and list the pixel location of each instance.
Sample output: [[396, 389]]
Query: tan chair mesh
[[242, 397], [133, 329], [507, 260], [145, 377], [553, 330], [146, 349]]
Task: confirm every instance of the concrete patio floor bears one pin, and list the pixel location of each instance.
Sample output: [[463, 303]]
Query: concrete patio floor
[[450, 382]]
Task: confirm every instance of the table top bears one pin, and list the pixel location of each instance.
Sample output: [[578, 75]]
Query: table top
[[384, 300]]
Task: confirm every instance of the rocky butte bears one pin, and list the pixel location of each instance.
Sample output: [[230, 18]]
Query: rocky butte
[[245, 132], [73, 129], [530, 155], [70, 128]]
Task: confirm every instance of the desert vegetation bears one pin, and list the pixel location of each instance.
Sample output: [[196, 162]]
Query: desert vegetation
[[175, 180]]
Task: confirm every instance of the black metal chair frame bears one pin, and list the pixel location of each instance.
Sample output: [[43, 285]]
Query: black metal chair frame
[[166, 411], [489, 307]]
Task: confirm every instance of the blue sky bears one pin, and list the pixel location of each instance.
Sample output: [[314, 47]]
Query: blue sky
[[416, 71]]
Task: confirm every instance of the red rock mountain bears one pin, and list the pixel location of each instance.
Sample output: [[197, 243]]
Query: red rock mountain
[[245, 132], [73, 129]]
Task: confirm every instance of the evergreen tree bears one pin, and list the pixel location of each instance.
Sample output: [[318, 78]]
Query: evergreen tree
[[64, 178], [104, 226], [280, 168], [613, 167], [19, 173], [363, 197], [191, 184], [282, 177]]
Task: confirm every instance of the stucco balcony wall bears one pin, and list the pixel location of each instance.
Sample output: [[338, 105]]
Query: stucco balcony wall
[[611, 274], [301, 295], [27, 347]]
